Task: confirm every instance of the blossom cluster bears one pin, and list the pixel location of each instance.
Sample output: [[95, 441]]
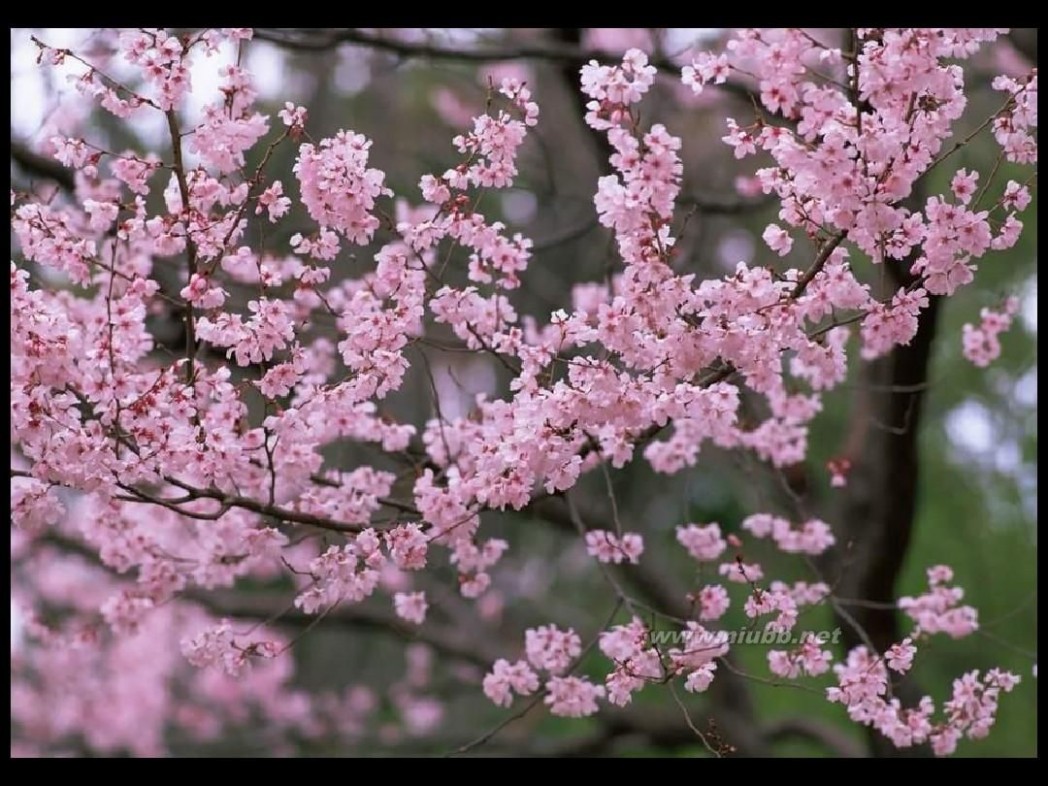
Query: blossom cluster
[[171, 479]]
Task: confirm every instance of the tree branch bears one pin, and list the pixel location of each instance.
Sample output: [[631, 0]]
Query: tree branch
[[282, 514], [564, 53], [263, 606], [273, 607], [191, 252], [36, 165]]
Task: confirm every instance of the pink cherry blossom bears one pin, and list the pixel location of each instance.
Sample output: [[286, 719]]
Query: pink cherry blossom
[[338, 166], [900, 656], [937, 611], [981, 344], [572, 697], [741, 572], [713, 602], [411, 606], [703, 542], [608, 547], [705, 69], [963, 185], [279, 453], [778, 240], [407, 546], [506, 679], [552, 649]]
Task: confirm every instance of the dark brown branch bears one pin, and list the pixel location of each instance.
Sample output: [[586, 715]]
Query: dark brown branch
[[561, 52], [273, 607], [817, 265], [273, 511], [191, 252], [724, 206], [321, 40], [71, 545], [566, 236], [266, 606], [36, 165]]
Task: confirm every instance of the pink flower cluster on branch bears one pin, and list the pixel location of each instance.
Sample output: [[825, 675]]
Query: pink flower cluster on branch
[[180, 476], [981, 344]]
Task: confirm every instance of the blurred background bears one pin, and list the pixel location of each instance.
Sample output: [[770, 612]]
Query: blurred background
[[969, 438]]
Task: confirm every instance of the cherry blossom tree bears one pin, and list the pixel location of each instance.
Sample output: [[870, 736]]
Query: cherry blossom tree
[[189, 512]]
